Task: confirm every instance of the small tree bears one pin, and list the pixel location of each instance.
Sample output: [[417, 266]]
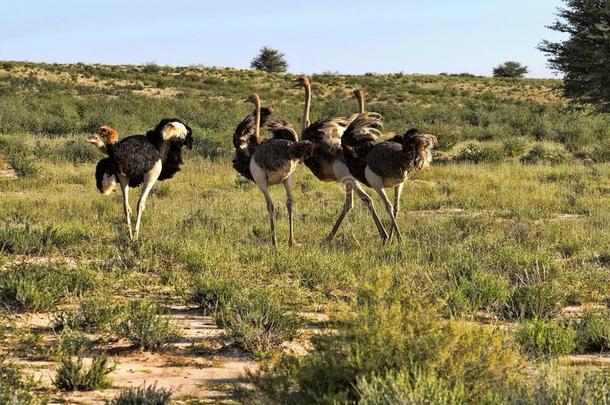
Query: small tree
[[269, 60], [510, 69], [584, 57]]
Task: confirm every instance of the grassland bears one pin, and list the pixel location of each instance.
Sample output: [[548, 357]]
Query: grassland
[[499, 293]]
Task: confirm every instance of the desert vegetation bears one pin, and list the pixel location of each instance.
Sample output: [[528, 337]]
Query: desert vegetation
[[499, 292]]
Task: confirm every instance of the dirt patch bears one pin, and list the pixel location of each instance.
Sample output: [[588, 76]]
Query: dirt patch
[[186, 366]]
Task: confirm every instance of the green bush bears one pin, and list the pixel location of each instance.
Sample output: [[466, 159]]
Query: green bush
[[41, 287], [150, 395], [257, 320], [14, 389], [514, 147], [93, 313], [593, 331], [72, 375], [385, 337], [479, 153], [478, 291], [408, 388], [541, 153], [211, 293], [540, 339], [537, 300], [146, 325]]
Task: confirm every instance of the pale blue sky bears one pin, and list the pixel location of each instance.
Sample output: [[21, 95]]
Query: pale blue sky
[[429, 36]]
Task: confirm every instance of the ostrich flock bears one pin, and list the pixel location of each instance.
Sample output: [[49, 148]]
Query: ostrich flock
[[345, 149]]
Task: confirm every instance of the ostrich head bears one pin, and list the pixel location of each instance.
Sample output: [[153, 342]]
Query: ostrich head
[[359, 94], [253, 98], [302, 81], [175, 130], [105, 136], [420, 146]]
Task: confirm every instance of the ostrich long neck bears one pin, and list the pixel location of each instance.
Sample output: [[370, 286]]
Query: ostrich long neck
[[257, 118], [305, 123], [163, 150], [360, 98]]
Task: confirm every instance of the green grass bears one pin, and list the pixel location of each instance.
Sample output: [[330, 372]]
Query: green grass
[[72, 375], [510, 225]]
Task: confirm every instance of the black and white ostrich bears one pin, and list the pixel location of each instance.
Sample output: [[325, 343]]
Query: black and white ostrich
[[140, 160], [386, 164], [327, 162], [269, 161]]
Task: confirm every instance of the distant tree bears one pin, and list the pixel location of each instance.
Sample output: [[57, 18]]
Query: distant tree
[[584, 57], [510, 69], [269, 60]]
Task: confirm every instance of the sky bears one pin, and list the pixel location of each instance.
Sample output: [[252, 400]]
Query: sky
[[380, 36]]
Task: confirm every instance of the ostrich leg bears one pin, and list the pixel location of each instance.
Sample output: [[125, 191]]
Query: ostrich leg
[[126, 209], [368, 201], [397, 192], [260, 178], [288, 186], [347, 206], [377, 183], [150, 179]]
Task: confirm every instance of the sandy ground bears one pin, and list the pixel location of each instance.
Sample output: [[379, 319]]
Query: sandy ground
[[188, 367]]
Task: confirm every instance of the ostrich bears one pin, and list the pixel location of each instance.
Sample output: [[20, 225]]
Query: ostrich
[[140, 159], [385, 164], [327, 162], [269, 162]]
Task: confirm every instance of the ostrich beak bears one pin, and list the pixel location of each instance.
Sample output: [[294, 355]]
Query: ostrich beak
[[93, 138]]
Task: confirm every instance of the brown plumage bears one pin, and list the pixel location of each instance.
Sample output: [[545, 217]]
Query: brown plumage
[[327, 161], [269, 161], [385, 164]]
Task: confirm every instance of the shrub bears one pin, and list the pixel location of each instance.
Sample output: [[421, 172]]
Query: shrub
[[79, 152], [537, 300], [146, 326], [257, 320], [40, 287], [479, 291], [72, 375], [593, 331], [92, 313], [13, 388], [211, 293], [553, 154], [150, 395], [540, 339], [479, 153], [408, 388], [386, 337], [514, 147]]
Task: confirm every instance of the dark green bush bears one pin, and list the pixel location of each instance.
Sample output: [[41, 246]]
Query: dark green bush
[[41, 287], [547, 154], [72, 375], [150, 395], [14, 389], [537, 300], [479, 153], [593, 331], [541, 339], [146, 325], [93, 313]]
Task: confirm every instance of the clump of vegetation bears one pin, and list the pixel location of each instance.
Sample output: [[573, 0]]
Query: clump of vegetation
[[386, 337], [92, 313], [73, 376], [212, 293], [150, 395], [514, 147], [14, 389], [542, 339], [258, 320], [593, 331], [146, 325], [479, 153], [534, 300], [270, 60], [41, 287], [553, 154], [510, 69]]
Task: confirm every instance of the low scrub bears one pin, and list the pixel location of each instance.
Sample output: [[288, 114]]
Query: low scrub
[[476, 152], [146, 325], [258, 320], [41, 287], [92, 313], [547, 153], [540, 339], [150, 395], [536, 300], [14, 389], [593, 331], [73, 376]]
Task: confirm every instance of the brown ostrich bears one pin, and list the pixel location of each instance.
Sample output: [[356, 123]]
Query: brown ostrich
[[139, 160], [271, 161], [386, 164], [327, 162]]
